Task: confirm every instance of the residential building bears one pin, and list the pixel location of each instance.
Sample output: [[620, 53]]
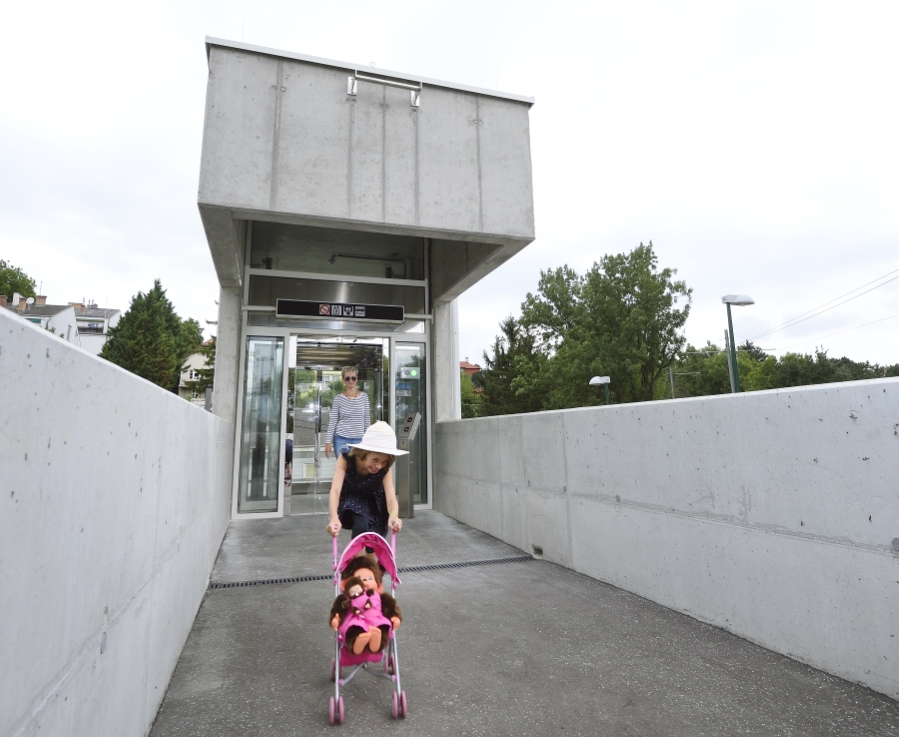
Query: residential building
[[58, 319], [192, 364]]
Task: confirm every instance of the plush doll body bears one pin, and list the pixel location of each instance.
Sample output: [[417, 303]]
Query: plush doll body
[[363, 614]]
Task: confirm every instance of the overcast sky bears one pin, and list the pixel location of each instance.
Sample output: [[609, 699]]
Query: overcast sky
[[755, 144]]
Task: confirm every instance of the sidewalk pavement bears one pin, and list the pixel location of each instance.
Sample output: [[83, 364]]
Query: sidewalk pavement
[[520, 648]]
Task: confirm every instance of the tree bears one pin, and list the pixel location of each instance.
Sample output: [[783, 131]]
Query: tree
[[623, 319], [151, 340], [471, 400], [704, 371], [13, 279], [512, 353], [206, 374]]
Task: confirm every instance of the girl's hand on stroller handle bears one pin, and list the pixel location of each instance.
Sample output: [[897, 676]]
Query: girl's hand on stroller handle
[[334, 527], [394, 523]]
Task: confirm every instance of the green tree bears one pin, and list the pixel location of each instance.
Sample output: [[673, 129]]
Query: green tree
[[206, 374], [512, 353], [471, 400], [623, 319], [700, 372], [704, 371], [13, 279], [151, 340]]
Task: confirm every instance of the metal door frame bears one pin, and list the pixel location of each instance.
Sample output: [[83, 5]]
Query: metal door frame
[[248, 331]]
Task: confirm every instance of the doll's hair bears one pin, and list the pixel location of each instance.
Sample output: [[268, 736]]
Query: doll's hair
[[357, 564], [363, 454], [352, 581]]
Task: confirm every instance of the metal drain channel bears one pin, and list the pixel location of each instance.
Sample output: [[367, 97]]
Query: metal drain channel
[[408, 569]]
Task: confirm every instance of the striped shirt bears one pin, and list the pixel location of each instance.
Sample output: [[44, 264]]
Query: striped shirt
[[350, 418]]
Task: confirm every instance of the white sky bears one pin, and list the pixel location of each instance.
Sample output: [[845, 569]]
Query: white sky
[[753, 142]]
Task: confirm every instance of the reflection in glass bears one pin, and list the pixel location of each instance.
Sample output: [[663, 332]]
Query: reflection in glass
[[260, 445], [411, 384], [317, 380]]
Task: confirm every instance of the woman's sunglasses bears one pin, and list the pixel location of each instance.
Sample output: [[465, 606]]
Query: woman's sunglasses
[[350, 378]]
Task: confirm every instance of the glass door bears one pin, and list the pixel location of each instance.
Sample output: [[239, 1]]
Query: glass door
[[260, 443], [316, 381], [410, 377]]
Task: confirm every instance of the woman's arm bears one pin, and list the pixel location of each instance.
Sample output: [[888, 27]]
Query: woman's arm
[[334, 496], [367, 411], [393, 507]]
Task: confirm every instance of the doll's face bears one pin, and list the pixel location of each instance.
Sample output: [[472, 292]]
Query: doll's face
[[354, 591], [368, 578]]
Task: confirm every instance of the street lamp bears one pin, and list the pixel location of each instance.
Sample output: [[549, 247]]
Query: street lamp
[[740, 300], [604, 380]]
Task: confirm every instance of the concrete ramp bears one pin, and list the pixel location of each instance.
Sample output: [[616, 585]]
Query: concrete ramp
[[496, 648]]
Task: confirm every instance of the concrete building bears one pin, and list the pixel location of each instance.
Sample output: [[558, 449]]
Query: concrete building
[[346, 207]]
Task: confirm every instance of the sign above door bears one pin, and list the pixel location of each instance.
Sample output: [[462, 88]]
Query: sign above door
[[340, 311]]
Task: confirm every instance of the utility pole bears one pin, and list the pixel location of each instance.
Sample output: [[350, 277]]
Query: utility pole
[[671, 376]]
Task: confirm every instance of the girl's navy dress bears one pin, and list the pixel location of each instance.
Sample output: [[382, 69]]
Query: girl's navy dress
[[363, 495]]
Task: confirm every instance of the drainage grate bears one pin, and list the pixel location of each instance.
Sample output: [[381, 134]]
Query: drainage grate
[[267, 581], [440, 566], [409, 569]]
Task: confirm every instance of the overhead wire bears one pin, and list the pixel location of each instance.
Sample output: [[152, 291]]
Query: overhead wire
[[815, 311], [838, 332]]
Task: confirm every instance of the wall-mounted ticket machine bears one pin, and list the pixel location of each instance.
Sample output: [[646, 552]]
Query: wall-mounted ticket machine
[[405, 438]]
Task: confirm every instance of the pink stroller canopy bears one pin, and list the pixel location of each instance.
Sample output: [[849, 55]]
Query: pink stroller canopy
[[379, 545]]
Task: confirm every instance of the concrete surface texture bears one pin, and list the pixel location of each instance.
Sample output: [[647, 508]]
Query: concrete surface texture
[[769, 514], [447, 391], [526, 648], [113, 507], [284, 141]]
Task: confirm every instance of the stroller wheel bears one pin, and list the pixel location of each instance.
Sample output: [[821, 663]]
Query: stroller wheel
[[396, 705], [340, 709], [403, 709], [331, 711]]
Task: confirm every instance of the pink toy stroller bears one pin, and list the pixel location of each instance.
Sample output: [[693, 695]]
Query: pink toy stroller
[[344, 657]]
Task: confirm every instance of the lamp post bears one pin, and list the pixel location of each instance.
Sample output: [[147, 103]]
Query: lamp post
[[604, 380], [740, 300]]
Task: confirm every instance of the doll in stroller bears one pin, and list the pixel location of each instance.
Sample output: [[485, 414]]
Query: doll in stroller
[[365, 619]]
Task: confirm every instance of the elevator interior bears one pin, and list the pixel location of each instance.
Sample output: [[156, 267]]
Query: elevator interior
[[316, 379]]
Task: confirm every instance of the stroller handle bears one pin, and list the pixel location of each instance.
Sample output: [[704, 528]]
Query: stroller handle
[[335, 554]]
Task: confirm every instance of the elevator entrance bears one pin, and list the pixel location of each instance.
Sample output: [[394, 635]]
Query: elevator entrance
[[315, 379]]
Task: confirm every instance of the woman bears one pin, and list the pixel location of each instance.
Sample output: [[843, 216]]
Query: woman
[[350, 415]]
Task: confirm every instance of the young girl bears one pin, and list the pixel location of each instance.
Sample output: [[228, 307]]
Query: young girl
[[363, 498]]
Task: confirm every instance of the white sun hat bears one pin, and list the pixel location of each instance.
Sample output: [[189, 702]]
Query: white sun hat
[[380, 438]]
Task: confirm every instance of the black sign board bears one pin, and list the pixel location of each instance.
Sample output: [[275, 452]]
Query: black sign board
[[340, 311]]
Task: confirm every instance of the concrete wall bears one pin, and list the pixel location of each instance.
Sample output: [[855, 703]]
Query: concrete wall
[[284, 142], [114, 501], [282, 136], [769, 514]]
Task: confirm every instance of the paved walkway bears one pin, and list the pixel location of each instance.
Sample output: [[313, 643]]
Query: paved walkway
[[525, 648]]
